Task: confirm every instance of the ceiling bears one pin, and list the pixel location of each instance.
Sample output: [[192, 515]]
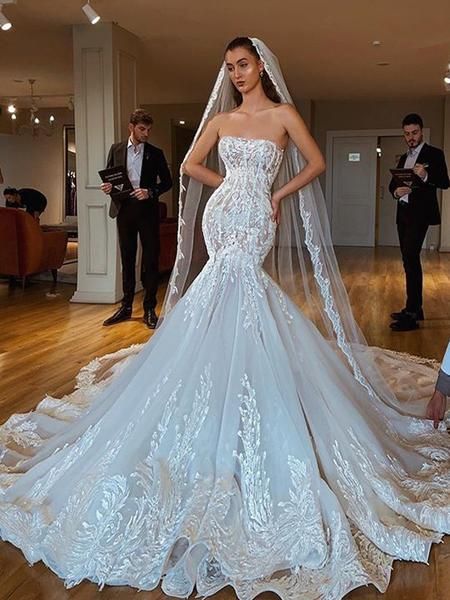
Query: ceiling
[[324, 46]]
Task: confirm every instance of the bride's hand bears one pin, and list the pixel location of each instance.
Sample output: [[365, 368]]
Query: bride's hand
[[436, 408], [276, 214]]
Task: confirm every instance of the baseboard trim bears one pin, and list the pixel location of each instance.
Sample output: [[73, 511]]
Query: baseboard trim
[[94, 297]]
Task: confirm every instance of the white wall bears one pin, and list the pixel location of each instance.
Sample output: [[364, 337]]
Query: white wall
[[37, 162]]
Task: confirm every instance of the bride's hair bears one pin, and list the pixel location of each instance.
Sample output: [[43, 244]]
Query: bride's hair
[[268, 86]]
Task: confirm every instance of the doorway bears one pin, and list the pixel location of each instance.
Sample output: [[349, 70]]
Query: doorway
[[360, 207], [390, 149]]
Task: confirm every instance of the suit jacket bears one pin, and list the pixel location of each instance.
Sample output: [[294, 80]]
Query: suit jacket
[[422, 201], [155, 174]]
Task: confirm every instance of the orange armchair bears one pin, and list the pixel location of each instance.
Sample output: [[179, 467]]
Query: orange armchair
[[26, 249]]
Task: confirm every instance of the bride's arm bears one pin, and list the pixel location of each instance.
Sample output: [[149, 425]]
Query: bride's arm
[[299, 134], [193, 166]]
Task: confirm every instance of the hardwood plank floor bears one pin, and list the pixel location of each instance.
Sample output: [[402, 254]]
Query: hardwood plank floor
[[45, 340]]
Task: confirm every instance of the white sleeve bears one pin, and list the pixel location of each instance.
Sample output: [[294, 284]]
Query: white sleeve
[[445, 366]]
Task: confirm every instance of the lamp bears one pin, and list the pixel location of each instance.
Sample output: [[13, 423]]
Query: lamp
[[34, 125], [90, 13], [5, 23]]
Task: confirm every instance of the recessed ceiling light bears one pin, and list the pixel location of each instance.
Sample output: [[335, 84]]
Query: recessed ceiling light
[[376, 43], [182, 122], [383, 64]]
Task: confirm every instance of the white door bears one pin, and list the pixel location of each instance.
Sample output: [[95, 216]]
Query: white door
[[391, 150], [354, 191]]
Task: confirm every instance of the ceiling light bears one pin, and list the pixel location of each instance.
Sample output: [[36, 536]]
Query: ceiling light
[[182, 122], [93, 16], [5, 23], [447, 79], [11, 108]]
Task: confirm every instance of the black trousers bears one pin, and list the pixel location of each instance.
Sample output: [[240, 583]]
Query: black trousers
[[139, 217], [411, 233]]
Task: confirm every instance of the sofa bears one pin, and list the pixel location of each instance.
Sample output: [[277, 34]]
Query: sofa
[[25, 249]]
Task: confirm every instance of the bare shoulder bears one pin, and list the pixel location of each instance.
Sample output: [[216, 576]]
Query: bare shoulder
[[288, 111], [218, 121]]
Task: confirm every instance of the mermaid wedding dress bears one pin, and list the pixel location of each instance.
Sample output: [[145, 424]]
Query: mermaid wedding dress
[[234, 448]]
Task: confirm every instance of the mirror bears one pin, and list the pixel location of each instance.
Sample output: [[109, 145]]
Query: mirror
[[70, 174]]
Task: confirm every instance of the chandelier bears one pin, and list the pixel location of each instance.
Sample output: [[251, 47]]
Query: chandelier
[[34, 123]]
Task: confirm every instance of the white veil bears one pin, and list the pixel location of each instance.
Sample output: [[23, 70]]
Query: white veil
[[302, 260]]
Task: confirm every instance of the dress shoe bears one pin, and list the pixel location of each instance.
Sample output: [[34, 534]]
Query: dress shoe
[[150, 318], [418, 316], [404, 324], [123, 314]]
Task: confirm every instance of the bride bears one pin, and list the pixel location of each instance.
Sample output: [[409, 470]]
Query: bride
[[249, 443]]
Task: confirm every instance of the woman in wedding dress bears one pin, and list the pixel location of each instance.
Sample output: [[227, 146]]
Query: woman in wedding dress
[[248, 443]]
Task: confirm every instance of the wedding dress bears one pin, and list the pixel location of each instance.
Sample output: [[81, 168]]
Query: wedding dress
[[236, 447]]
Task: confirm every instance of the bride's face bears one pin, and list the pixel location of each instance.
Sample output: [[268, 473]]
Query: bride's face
[[244, 69]]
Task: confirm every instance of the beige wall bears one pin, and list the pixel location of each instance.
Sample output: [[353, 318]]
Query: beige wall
[[36, 162], [166, 114], [375, 114], [362, 114]]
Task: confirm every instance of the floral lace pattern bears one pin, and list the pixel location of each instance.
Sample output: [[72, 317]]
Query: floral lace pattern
[[236, 447]]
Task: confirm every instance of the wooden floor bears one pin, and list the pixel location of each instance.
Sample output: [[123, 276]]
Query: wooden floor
[[45, 340]]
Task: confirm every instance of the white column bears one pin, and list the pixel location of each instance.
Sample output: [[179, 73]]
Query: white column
[[445, 211], [105, 81]]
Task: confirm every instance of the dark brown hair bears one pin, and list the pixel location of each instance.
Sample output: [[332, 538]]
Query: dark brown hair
[[141, 116], [413, 119], [268, 86], [10, 191]]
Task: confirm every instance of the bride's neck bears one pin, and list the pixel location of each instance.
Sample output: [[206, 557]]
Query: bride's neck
[[254, 101]]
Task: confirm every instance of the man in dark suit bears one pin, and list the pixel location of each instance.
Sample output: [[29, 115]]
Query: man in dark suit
[[417, 208], [139, 214]]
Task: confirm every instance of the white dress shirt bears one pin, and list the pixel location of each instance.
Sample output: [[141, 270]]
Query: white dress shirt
[[135, 155], [410, 162]]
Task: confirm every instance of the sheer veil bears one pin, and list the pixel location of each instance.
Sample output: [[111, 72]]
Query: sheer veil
[[302, 261]]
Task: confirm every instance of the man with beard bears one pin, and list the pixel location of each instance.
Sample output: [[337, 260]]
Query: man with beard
[[417, 208], [138, 214]]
